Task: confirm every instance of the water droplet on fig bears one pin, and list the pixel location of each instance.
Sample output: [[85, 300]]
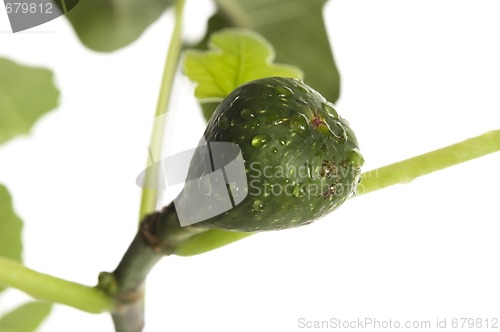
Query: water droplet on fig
[[266, 95], [256, 123], [260, 140], [284, 91], [204, 185], [302, 88], [258, 206], [234, 100], [299, 124], [328, 107], [247, 114], [274, 150], [309, 168], [303, 101], [223, 122], [298, 191], [283, 140], [339, 131], [355, 159]]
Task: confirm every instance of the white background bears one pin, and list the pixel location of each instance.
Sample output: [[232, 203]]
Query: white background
[[416, 75]]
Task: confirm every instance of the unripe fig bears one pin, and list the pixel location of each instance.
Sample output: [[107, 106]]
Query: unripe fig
[[301, 158]]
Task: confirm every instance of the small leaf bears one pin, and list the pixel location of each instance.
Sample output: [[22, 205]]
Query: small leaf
[[107, 25], [26, 93], [235, 57], [10, 229], [295, 28], [26, 318]]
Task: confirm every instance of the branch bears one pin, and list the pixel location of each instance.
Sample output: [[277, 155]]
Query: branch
[[407, 170], [160, 234], [48, 288]]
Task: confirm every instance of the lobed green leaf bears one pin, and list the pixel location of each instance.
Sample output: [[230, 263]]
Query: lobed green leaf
[[295, 28], [26, 93], [235, 57]]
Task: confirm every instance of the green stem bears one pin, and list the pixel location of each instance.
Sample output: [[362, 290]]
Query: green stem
[[150, 196], [409, 169], [48, 288]]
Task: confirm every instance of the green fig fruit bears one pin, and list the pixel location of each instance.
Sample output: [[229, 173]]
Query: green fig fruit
[[301, 159]]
